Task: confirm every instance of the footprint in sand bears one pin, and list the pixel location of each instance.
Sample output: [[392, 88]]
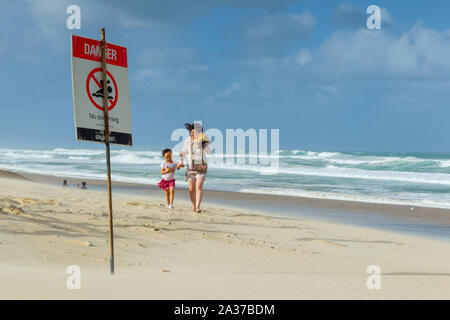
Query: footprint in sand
[[13, 210], [137, 204], [9, 202], [28, 200], [51, 201], [329, 243]]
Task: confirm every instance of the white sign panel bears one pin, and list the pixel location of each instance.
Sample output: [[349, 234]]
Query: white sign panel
[[88, 86]]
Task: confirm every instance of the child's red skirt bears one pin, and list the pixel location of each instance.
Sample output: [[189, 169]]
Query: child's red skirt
[[165, 185]]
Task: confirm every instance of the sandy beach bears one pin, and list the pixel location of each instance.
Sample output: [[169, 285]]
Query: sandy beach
[[222, 253]]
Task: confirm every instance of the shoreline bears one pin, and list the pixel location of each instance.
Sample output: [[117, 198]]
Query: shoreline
[[340, 198], [415, 220]]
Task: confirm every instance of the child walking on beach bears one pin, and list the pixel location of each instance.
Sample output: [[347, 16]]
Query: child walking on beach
[[167, 183]]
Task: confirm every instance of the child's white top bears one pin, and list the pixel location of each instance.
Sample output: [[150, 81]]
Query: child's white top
[[173, 166]]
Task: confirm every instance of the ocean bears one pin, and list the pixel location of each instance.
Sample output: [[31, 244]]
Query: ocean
[[416, 179]]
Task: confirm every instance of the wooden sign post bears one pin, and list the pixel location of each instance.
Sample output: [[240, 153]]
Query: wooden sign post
[[108, 155]]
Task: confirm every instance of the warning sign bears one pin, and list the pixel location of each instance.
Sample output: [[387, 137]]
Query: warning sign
[[88, 88]]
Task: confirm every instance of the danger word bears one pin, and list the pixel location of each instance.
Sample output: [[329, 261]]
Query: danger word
[[95, 50]]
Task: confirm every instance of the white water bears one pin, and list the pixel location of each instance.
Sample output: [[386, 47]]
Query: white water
[[413, 179]]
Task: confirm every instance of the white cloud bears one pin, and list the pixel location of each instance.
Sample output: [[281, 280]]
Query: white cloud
[[171, 69], [128, 21], [197, 67], [148, 73], [277, 33], [228, 91], [166, 57], [303, 57], [305, 20], [346, 15], [419, 52], [50, 19], [181, 60], [167, 81], [386, 17], [352, 68], [280, 26], [50, 15]]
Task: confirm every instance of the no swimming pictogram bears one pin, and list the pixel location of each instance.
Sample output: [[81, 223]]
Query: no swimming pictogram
[[94, 89]]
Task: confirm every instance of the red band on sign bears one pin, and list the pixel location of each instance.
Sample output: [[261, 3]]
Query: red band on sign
[[90, 49]]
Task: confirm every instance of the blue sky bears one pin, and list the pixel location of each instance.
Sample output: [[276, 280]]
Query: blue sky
[[308, 68]]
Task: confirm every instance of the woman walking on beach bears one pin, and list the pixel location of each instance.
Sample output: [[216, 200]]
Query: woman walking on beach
[[195, 149]]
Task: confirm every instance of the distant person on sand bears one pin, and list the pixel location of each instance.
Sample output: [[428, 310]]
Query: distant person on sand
[[83, 185], [167, 183], [195, 149], [64, 183]]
